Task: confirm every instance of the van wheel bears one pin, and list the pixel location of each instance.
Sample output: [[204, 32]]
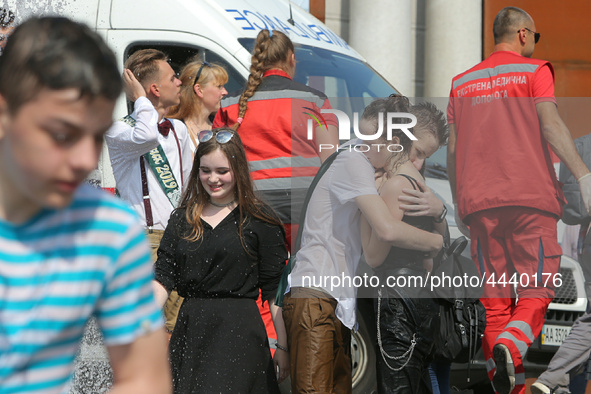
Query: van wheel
[[363, 359]]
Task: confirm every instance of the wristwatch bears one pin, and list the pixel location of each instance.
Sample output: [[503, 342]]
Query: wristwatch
[[441, 217]]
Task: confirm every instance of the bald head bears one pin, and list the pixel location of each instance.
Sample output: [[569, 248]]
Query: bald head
[[507, 22]]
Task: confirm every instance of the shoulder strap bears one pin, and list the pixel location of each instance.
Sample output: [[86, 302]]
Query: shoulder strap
[[412, 181], [283, 282], [323, 167], [146, 196]]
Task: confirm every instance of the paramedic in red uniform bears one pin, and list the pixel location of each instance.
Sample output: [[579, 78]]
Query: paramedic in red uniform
[[271, 117], [503, 119]]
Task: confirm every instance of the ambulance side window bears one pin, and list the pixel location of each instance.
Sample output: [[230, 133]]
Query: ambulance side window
[[180, 55]]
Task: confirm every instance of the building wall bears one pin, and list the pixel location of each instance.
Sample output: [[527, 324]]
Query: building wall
[[337, 17], [565, 42], [409, 41], [382, 32]]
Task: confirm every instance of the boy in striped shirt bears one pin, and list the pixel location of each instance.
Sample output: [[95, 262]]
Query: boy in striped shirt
[[67, 251]]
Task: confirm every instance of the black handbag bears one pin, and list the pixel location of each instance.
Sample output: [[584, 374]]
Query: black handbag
[[462, 315]]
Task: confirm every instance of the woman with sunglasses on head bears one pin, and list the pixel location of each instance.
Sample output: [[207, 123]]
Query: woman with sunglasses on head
[[220, 247], [201, 92], [271, 115]]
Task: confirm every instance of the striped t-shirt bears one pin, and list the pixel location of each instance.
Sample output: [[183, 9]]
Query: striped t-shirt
[[57, 270]]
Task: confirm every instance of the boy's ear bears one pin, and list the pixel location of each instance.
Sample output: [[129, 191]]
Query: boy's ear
[[154, 90]]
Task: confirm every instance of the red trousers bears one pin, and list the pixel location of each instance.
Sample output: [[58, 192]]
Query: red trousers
[[517, 252]]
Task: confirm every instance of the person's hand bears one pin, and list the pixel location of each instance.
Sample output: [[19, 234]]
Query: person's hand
[[435, 252], [133, 88], [461, 226], [585, 186], [281, 362], [420, 203]]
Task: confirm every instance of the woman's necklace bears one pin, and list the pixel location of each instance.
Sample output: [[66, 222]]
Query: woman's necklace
[[215, 204]]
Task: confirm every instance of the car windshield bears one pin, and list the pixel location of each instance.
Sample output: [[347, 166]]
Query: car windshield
[[349, 82]]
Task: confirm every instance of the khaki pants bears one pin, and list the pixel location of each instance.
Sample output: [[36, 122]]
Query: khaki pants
[[174, 302], [319, 344]]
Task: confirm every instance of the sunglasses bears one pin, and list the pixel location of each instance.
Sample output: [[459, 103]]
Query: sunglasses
[[536, 35], [199, 71], [221, 137]]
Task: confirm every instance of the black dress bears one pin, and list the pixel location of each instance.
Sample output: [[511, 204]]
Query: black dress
[[219, 344]]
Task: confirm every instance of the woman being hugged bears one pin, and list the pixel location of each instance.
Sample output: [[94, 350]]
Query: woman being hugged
[[201, 93], [406, 318], [220, 247]]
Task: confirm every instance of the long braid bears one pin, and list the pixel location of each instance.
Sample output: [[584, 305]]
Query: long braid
[[270, 50], [257, 67]]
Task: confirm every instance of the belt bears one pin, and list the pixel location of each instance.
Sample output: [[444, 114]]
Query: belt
[[309, 292]]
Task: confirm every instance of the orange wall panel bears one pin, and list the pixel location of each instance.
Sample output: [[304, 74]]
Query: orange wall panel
[[564, 26], [566, 43]]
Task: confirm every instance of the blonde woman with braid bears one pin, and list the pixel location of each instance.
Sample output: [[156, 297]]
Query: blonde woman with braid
[[201, 92]]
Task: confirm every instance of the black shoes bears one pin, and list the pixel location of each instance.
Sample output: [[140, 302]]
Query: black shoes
[[504, 378]]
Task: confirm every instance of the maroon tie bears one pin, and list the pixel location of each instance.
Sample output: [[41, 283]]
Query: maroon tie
[[164, 127]]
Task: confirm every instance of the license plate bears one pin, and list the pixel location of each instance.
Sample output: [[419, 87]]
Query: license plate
[[554, 335]]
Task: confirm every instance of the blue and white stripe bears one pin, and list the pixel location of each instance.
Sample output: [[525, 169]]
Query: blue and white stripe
[[56, 271]]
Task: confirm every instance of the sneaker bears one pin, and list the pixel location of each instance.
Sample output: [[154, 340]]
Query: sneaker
[[504, 378], [541, 388]]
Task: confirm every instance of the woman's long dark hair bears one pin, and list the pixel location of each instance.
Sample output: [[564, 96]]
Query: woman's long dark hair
[[195, 197]]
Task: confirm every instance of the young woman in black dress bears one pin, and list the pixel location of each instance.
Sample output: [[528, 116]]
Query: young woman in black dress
[[406, 319], [220, 247]]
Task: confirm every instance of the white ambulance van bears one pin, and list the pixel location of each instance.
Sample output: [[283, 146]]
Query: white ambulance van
[[223, 31]]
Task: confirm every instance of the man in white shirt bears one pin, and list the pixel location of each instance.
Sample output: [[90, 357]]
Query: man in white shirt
[[151, 155], [320, 308]]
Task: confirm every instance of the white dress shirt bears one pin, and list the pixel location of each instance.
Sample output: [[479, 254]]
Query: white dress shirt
[[126, 144]]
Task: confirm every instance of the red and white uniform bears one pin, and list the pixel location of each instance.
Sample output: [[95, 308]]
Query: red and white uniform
[[282, 160], [508, 194]]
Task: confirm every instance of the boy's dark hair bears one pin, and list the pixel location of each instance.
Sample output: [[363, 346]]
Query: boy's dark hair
[[56, 53]]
